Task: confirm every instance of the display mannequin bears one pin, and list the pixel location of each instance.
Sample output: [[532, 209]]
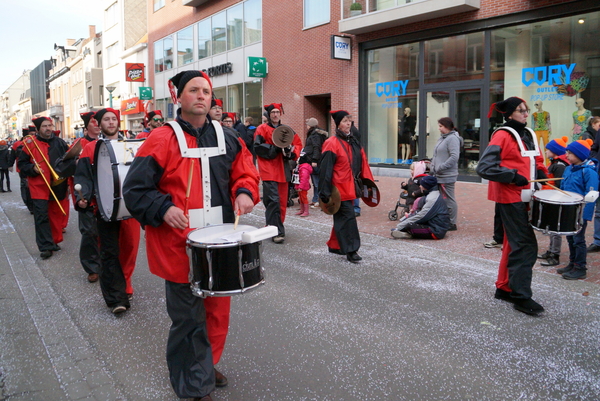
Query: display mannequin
[[407, 135], [580, 119], [541, 125]]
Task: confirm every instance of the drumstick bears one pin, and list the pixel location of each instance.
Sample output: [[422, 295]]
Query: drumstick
[[558, 189], [546, 179], [78, 189], [237, 219], [189, 186]]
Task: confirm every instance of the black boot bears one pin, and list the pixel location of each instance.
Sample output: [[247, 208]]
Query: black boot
[[553, 260], [565, 269]]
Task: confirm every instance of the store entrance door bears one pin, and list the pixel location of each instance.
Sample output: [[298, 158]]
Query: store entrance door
[[463, 106]]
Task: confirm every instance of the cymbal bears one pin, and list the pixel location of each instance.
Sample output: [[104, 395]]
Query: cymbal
[[283, 136], [334, 203], [370, 194]]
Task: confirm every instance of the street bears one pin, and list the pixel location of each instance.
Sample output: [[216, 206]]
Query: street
[[410, 322]]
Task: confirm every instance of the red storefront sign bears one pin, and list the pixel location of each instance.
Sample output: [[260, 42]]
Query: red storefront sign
[[134, 72], [132, 106]]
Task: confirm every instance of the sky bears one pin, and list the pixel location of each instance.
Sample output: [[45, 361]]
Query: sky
[[30, 28]]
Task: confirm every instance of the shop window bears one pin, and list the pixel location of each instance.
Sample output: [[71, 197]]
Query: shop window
[[253, 98], [204, 38], [159, 61], [219, 33], [316, 12], [540, 49], [235, 27], [252, 21], [235, 99], [221, 93], [185, 43]]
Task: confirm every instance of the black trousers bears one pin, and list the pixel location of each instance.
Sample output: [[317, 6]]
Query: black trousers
[[89, 247], [189, 355], [522, 242], [272, 206], [43, 232], [345, 227], [4, 173], [26, 194], [112, 280], [498, 229]]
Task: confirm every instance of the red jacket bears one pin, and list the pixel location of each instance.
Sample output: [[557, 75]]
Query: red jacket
[[51, 150], [270, 158]]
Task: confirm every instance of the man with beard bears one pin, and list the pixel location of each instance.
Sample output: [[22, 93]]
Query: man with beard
[[49, 196], [112, 279], [153, 120], [156, 193], [275, 172]]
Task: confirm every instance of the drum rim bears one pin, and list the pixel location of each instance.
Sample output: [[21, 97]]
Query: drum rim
[[116, 183], [535, 197], [197, 244]]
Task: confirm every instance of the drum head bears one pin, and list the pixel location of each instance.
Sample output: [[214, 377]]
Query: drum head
[[107, 180], [221, 234], [370, 194], [557, 197]]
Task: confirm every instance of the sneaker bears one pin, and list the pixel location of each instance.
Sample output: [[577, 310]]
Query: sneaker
[[400, 234], [566, 269], [544, 255], [575, 274], [553, 260], [528, 306], [220, 379], [119, 309], [278, 239], [492, 244], [593, 248]]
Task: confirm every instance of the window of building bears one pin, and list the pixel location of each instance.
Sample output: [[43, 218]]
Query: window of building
[[111, 16], [204, 38], [235, 27], [219, 33], [158, 4], [185, 46], [252, 21], [316, 12], [99, 60], [168, 52], [112, 54], [159, 61], [474, 53]]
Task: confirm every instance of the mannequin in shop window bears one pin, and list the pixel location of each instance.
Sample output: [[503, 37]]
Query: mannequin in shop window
[[407, 137], [580, 119], [541, 123]]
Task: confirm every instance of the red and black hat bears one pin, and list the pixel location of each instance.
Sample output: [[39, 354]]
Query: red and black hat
[[338, 116], [86, 117], [270, 107], [100, 113], [38, 121], [228, 115], [181, 79], [506, 107], [216, 102], [31, 129]]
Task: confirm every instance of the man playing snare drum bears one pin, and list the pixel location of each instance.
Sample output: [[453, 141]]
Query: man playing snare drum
[[159, 190]]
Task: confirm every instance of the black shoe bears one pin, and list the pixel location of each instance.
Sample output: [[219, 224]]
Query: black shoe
[[452, 227], [566, 269], [56, 248], [575, 274], [8, 190], [353, 257], [545, 255], [45, 254], [593, 248], [220, 379], [553, 260], [503, 295], [205, 398], [336, 251], [528, 306]]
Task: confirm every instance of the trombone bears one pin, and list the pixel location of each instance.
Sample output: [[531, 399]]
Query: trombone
[[42, 173], [56, 180]]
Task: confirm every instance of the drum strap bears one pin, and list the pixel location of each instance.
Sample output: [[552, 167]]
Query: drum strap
[[199, 152], [524, 152]]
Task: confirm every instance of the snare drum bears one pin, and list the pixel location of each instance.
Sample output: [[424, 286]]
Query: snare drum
[[112, 161], [221, 264], [554, 212]]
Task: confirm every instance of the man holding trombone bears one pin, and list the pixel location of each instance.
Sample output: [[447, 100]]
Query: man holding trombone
[[48, 190]]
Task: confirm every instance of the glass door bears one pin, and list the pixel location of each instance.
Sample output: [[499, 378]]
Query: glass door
[[463, 106]]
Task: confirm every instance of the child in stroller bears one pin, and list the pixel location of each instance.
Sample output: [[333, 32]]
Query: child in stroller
[[410, 190]]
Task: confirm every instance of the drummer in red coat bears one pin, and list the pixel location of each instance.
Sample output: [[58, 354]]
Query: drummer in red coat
[[49, 196], [343, 159], [156, 194], [274, 168]]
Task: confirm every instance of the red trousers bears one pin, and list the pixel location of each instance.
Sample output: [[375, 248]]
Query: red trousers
[[58, 220], [217, 323], [129, 242]]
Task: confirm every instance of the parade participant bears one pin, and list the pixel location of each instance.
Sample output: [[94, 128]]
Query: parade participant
[[274, 168], [152, 120], [216, 109], [17, 148], [7, 159], [509, 169], [48, 194], [227, 120], [89, 251], [112, 280], [156, 193], [343, 162]]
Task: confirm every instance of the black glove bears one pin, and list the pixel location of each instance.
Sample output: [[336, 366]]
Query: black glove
[[519, 180], [540, 175]]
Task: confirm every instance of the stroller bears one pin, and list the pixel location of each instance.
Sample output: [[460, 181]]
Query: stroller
[[410, 190]]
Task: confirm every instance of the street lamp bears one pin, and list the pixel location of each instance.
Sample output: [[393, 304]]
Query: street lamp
[[110, 90]]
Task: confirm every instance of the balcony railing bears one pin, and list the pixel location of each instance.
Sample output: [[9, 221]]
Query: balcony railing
[[362, 16], [56, 110]]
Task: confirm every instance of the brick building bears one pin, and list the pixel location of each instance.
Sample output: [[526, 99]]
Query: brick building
[[411, 62]]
